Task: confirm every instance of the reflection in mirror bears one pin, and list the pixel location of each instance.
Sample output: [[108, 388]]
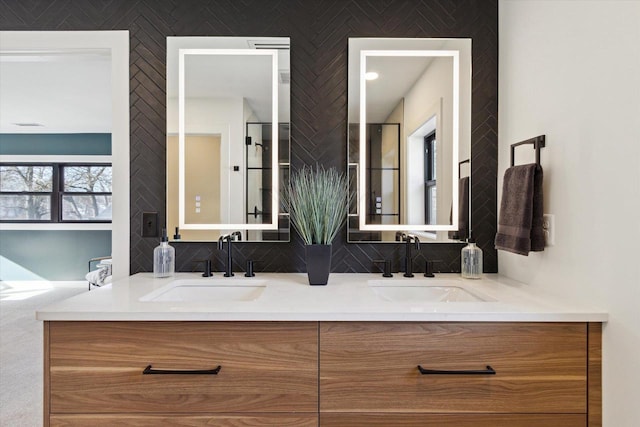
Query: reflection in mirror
[[227, 131], [409, 130], [258, 199]]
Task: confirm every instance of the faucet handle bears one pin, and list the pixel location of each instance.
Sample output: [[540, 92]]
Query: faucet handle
[[207, 267], [387, 267], [249, 271], [428, 269]]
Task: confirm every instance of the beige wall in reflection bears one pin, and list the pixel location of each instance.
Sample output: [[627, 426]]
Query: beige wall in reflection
[[202, 178]]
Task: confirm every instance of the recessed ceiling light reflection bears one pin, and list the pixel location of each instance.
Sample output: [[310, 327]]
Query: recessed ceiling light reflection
[[371, 75]]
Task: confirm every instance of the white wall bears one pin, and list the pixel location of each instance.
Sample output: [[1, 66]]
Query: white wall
[[571, 70]]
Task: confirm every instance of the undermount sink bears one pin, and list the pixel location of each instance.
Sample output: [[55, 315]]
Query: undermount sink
[[207, 290], [424, 291]]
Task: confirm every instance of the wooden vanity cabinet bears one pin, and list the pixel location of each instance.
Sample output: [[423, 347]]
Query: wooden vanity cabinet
[[369, 374], [268, 373], [332, 374]]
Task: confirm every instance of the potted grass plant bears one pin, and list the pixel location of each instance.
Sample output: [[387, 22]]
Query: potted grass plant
[[317, 200]]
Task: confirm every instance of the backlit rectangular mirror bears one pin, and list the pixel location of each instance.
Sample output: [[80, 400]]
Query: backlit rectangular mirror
[[409, 138], [227, 136]]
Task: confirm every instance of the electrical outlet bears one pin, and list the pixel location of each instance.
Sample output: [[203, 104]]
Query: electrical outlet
[[549, 228], [149, 224]]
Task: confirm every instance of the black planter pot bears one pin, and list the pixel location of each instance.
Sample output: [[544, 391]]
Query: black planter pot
[[318, 259]]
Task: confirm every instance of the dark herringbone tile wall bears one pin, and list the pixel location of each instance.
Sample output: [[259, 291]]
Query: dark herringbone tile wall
[[319, 32]]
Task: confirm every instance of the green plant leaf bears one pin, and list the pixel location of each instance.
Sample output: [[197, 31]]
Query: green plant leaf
[[317, 200]]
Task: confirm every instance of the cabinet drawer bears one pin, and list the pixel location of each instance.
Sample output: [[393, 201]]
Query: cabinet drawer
[[452, 420], [373, 367], [97, 367], [262, 420]]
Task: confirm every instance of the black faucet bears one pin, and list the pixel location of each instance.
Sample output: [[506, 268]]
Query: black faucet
[[408, 261], [229, 238]]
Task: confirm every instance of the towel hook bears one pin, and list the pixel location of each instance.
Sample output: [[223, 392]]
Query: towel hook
[[538, 142]]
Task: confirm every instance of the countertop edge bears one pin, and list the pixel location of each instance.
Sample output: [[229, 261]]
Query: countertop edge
[[348, 297], [322, 317]]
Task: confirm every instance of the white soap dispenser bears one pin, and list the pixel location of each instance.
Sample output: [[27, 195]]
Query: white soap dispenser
[[471, 258], [164, 258]]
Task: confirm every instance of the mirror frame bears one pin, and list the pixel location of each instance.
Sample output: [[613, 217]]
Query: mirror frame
[[458, 98], [182, 53]]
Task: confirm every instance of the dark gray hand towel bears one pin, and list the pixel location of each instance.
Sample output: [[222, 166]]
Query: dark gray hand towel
[[520, 222], [463, 211]]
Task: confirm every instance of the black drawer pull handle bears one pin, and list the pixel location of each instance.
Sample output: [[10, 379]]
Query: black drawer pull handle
[[488, 371], [150, 371]]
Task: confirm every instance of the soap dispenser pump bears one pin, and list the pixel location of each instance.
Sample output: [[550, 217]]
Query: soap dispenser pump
[[471, 258], [164, 257]]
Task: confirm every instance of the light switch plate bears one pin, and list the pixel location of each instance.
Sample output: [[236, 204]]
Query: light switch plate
[[149, 224]]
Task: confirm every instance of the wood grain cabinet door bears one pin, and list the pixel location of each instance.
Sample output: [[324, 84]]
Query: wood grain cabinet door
[[453, 420], [97, 367], [256, 420], [373, 367]]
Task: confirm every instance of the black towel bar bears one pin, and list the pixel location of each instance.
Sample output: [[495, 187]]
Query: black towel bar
[[538, 143], [460, 166]]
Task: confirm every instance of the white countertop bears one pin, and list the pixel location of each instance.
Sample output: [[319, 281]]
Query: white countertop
[[347, 297]]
